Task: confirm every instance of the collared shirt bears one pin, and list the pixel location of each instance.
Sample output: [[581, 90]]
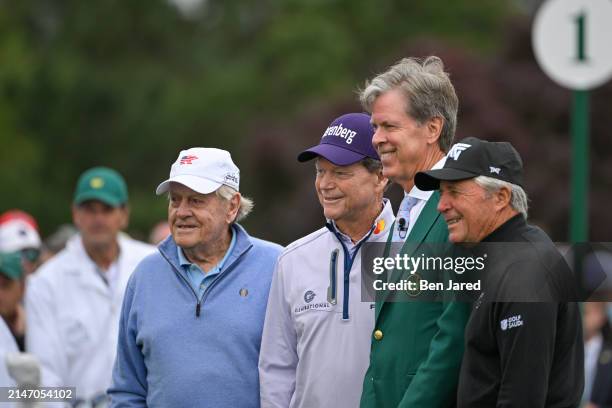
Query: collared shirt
[[422, 196], [494, 371], [311, 356], [111, 275], [347, 241], [197, 277]]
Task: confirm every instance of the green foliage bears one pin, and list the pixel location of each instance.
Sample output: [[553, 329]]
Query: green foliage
[[128, 84]]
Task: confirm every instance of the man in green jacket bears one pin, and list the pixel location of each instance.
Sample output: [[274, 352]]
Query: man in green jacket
[[417, 346]]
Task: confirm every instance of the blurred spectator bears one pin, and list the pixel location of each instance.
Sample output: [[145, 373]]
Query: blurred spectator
[[11, 295], [597, 356], [73, 301], [57, 241], [19, 233], [159, 232]]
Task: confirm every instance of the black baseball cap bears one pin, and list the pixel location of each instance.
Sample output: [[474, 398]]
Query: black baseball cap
[[473, 157]]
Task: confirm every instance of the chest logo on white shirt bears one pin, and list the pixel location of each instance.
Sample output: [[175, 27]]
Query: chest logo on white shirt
[[511, 322], [309, 296], [308, 304]]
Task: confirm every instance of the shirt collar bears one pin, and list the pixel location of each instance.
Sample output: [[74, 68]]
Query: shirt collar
[[183, 261], [345, 238], [507, 231], [425, 195], [385, 219]]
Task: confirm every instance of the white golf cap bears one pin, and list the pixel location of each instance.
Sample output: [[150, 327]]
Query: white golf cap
[[203, 170], [18, 230]]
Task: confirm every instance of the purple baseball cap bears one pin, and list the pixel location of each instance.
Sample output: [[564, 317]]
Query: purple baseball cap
[[346, 141]]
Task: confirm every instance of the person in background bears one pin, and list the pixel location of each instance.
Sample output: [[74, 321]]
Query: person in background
[[57, 241], [7, 346], [73, 301], [19, 233], [159, 232], [597, 356], [12, 282], [11, 290], [193, 314]]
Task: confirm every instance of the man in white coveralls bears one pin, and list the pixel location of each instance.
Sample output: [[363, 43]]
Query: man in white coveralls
[[74, 299]]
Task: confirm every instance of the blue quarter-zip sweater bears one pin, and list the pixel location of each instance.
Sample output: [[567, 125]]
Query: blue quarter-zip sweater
[[177, 351]]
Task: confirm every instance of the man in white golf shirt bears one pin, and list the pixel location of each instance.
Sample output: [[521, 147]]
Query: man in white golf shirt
[[316, 339]]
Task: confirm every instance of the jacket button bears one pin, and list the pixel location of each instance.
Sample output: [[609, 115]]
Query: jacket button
[[378, 335]]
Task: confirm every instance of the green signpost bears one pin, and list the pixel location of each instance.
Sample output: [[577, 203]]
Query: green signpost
[[579, 216], [571, 42]]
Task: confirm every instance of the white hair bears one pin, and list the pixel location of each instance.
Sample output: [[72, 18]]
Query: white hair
[[246, 204], [518, 197]]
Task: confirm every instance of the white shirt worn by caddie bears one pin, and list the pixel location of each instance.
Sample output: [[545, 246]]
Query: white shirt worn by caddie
[[73, 315], [310, 356]]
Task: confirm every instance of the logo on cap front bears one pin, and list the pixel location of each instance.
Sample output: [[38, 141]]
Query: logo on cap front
[[96, 182], [188, 159], [495, 170], [340, 131], [457, 149]]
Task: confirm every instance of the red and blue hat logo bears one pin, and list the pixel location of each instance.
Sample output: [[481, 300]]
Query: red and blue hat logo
[[188, 159]]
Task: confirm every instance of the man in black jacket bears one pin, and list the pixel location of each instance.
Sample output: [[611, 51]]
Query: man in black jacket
[[523, 345]]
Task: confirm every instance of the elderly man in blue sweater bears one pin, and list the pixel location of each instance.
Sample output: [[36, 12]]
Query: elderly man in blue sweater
[[192, 318]]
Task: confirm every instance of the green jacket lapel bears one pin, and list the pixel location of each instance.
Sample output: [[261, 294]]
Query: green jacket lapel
[[417, 235]]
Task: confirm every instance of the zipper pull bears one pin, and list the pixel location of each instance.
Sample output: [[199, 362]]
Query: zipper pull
[[198, 309], [333, 267]]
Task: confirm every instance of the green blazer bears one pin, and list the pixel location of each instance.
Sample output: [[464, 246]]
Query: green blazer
[[416, 362]]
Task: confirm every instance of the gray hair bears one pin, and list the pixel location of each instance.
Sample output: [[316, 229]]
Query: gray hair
[[518, 198], [246, 204], [428, 90]]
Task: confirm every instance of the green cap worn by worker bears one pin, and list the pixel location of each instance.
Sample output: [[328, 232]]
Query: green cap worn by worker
[[102, 184]]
